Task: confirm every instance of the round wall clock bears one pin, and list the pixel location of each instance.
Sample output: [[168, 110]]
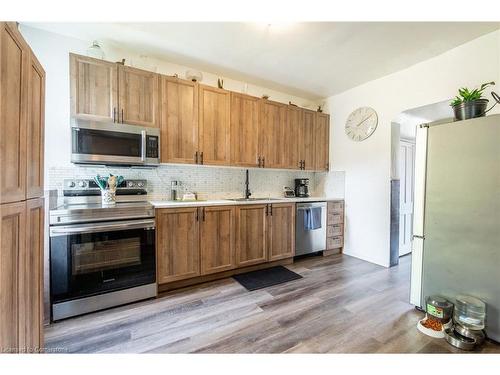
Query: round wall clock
[[361, 123]]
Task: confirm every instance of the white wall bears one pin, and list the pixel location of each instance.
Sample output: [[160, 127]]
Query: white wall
[[53, 52], [367, 164]]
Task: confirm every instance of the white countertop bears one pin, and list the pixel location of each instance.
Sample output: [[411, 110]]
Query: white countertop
[[159, 203]]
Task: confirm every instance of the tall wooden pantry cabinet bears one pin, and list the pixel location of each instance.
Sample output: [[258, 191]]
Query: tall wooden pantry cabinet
[[22, 93]]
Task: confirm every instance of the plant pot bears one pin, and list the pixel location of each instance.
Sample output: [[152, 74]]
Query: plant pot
[[471, 109], [108, 197]]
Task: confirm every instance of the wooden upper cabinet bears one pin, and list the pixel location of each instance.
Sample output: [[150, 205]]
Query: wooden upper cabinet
[[31, 278], [307, 151], [12, 244], [179, 122], [177, 244], [321, 141], [139, 97], [273, 124], [245, 114], [14, 59], [94, 89], [251, 234], [214, 125], [295, 119], [35, 129], [217, 230]]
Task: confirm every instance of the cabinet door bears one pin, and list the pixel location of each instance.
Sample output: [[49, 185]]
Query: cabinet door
[[217, 239], [272, 134], [94, 89], [321, 142], [12, 244], [251, 234], [139, 97], [295, 119], [281, 229], [307, 140], [245, 113], [179, 125], [31, 279], [177, 244], [14, 55], [214, 136], [35, 129]]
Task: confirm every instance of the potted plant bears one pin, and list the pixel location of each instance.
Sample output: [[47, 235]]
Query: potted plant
[[470, 103]]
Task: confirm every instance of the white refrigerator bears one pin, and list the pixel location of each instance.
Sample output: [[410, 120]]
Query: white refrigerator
[[456, 235]]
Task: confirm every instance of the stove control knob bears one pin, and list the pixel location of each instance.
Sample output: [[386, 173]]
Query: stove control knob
[[71, 184], [140, 184], [82, 184], [130, 184]]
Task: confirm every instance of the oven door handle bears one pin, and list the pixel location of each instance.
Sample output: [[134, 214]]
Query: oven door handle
[[100, 227], [143, 145]]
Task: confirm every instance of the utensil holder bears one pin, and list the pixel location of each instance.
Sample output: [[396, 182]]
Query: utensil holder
[[108, 197]]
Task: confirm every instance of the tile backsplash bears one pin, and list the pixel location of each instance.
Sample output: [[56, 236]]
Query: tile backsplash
[[216, 182]]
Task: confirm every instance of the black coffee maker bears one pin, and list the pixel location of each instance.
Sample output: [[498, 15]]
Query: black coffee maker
[[301, 187]]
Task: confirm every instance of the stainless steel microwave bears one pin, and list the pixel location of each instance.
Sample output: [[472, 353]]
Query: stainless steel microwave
[[114, 144]]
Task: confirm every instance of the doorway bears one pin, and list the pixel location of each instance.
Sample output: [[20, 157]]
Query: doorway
[[406, 189], [403, 151]]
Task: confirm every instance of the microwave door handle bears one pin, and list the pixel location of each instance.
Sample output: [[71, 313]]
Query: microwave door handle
[[143, 145]]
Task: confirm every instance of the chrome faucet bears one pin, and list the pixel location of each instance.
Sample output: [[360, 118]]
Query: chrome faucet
[[247, 189]]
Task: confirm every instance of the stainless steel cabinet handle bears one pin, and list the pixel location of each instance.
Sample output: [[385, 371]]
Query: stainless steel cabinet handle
[[96, 228], [122, 115], [143, 145], [114, 114], [263, 162], [203, 213], [267, 209], [201, 157], [196, 157], [258, 160]]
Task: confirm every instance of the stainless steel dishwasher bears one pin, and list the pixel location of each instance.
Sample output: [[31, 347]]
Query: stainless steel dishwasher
[[309, 241]]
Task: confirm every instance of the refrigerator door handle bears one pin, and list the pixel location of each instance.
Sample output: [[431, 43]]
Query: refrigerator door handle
[[418, 236]]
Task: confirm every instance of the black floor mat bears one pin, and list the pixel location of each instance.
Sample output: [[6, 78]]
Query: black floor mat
[[263, 278]]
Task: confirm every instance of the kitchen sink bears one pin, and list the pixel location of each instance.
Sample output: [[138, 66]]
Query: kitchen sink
[[252, 199]]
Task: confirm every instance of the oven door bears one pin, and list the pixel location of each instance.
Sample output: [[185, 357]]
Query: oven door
[[91, 259], [101, 143]]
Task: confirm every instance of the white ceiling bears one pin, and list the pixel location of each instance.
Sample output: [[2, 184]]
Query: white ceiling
[[313, 60]]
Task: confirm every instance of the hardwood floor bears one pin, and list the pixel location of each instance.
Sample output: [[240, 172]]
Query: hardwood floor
[[341, 305]]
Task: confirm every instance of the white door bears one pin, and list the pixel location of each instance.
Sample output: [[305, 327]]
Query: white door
[[406, 188]]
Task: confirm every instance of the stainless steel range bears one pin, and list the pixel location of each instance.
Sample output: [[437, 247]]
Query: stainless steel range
[[101, 256]]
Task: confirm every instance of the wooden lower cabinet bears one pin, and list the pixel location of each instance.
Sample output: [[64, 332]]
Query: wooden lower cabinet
[[30, 278], [251, 234], [177, 244], [192, 243], [281, 231], [12, 243], [217, 230], [21, 276]]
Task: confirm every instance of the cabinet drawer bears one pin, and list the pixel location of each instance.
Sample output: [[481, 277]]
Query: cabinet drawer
[[335, 218], [334, 242], [335, 207], [334, 230]]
